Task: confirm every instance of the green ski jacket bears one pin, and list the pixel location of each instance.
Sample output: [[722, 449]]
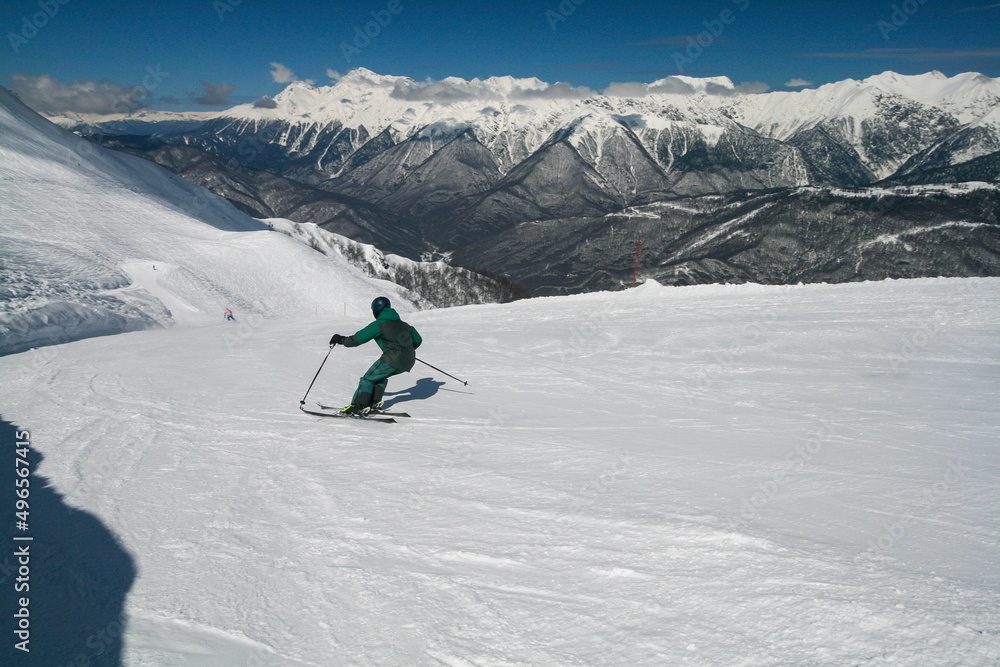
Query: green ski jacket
[[397, 339]]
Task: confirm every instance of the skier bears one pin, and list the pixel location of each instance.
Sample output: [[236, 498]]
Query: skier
[[398, 341], [229, 315]]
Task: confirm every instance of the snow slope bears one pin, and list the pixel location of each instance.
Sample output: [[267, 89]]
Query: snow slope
[[82, 228], [430, 283], [736, 475]]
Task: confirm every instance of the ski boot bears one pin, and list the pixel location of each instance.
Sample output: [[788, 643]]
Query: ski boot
[[359, 407], [376, 398]]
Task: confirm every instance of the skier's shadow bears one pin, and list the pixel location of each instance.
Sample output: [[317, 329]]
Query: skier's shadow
[[74, 577], [423, 389]]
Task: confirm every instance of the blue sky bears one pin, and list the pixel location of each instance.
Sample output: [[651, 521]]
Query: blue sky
[[208, 54]]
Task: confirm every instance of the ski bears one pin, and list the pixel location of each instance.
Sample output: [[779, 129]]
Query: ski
[[377, 412], [384, 420]]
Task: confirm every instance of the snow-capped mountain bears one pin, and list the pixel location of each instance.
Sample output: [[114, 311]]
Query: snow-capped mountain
[[883, 120], [94, 242], [142, 122], [459, 158], [451, 166]]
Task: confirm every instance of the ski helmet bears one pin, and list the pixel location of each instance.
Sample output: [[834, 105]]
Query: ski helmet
[[379, 304]]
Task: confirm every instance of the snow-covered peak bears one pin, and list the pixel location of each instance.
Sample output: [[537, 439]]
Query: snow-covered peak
[[362, 97], [297, 98], [74, 119], [936, 89], [513, 117], [967, 97], [361, 76], [895, 79]]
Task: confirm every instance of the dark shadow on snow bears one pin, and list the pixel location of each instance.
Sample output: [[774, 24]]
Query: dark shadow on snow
[[77, 572], [423, 389]]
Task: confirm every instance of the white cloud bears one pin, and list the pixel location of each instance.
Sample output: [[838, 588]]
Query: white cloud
[[979, 8], [333, 74], [557, 91], [627, 89], [46, 94], [458, 90], [750, 88], [797, 83], [674, 86], [454, 90], [282, 74]]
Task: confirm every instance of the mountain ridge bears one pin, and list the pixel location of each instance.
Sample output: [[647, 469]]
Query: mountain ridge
[[467, 162], [513, 118]]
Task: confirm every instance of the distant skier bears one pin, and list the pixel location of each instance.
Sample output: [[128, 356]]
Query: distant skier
[[398, 341], [229, 315]]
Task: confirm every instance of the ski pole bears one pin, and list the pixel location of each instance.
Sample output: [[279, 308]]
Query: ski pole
[[303, 401], [441, 371]]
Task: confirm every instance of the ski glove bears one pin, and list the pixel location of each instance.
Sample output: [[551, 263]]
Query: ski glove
[[337, 339]]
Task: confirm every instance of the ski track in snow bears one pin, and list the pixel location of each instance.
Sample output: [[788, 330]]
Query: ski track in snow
[[711, 475]]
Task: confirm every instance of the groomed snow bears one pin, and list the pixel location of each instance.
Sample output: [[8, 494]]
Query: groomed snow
[[736, 475]]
